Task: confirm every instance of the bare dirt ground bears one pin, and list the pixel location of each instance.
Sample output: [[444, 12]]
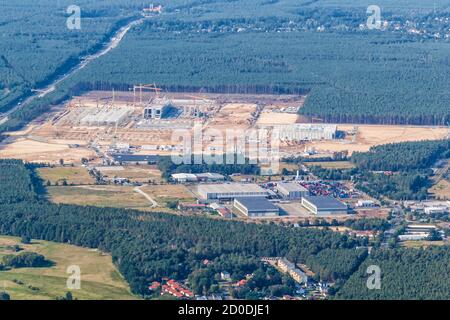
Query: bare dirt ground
[[233, 115], [35, 151], [269, 118], [372, 135], [100, 196], [72, 175]]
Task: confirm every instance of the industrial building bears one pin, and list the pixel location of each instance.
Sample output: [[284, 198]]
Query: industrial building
[[291, 190], [324, 205], [201, 177], [134, 158], [365, 204], [210, 177], [305, 132], [256, 207], [419, 232], [184, 177], [156, 111], [229, 191], [105, 116]]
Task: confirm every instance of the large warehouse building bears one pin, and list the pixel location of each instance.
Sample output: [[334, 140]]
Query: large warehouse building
[[256, 207], [291, 190], [320, 205], [306, 132], [107, 116], [230, 191]]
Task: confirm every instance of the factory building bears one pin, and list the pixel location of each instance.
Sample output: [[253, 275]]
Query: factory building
[[305, 132], [184, 177], [419, 232], [321, 205], [155, 111], [229, 191], [256, 207], [365, 204], [200, 177], [210, 177], [291, 190], [105, 116], [134, 158]]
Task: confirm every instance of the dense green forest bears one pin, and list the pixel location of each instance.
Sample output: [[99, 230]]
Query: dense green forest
[[429, 267], [411, 163], [36, 45], [24, 260], [400, 171], [379, 80], [332, 265], [404, 156], [147, 247], [352, 75]]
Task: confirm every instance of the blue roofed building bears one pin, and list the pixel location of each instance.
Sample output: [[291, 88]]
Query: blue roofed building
[[324, 205], [256, 207]]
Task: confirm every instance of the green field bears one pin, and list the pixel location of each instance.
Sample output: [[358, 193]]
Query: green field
[[72, 175], [99, 277], [99, 196], [332, 164]]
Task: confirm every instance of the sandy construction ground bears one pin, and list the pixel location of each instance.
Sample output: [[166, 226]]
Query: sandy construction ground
[[371, 135], [233, 114], [36, 151], [268, 118]]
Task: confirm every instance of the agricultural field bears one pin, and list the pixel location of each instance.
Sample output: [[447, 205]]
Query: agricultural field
[[149, 198], [72, 175], [99, 277], [441, 187], [421, 244], [141, 173], [99, 196], [163, 194], [331, 164]]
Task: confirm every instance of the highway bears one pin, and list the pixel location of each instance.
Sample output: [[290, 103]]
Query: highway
[[113, 42]]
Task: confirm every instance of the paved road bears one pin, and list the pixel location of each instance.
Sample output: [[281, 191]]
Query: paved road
[[84, 61]]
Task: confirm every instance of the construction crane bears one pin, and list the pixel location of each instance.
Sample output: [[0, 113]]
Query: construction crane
[[151, 87]]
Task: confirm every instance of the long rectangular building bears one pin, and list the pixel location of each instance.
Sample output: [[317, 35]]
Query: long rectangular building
[[256, 207], [134, 158], [291, 190], [230, 191], [305, 132], [324, 205]]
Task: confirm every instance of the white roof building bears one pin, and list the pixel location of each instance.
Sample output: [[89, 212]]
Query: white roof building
[[291, 190], [305, 132], [184, 177], [230, 191]]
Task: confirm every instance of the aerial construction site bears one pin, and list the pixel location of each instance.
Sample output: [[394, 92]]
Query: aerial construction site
[[143, 119]]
